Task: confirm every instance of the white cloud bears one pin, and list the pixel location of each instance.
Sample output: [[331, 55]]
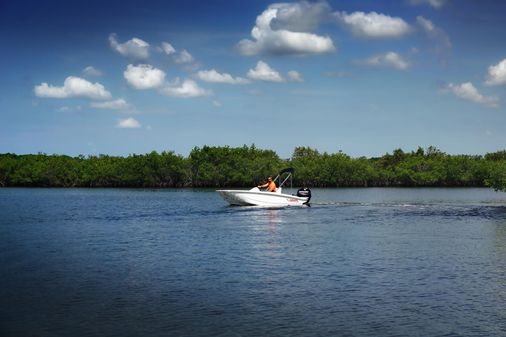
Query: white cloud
[[216, 77], [167, 48], [183, 57], [295, 76], [69, 108], [73, 87], [263, 72], [468, 92], [278, 31], [426, 24], [187, 89], [437, 4], [117, 104], [128, 123], [301, 16], [389, 60], [144, 76], [497, 74], [434, 33], [64, 109], [216, 104], [179, 57], [92, 71], [134, 48], [373, 25]]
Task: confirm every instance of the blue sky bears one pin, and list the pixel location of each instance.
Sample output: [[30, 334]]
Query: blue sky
[[364, 77]]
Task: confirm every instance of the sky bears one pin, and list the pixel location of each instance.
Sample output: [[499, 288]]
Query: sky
[[364, 77]]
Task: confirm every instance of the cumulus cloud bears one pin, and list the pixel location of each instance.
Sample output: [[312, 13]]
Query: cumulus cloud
[[302, 16], [73, 87], [426, 24], [134, 48], [128, 123], [263, 72], [118, 104], [183, 57], [69, 108], [435, 34], [295, 76], [437, 4], [167, 48], [92, 71], [216, 77], [389, 60], [433, 31], [187, 89], [497, 74], [280, 29], [144, 76], [468, 92], [373, 25]]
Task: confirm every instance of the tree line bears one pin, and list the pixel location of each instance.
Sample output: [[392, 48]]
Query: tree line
[[211, 166]]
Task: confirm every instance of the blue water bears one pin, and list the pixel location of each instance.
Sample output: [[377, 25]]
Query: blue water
[[359, 262]]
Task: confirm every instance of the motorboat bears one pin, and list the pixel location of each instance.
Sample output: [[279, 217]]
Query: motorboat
[[257, 197]]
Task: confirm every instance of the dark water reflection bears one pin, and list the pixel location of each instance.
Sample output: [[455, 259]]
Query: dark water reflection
[[359, 262]]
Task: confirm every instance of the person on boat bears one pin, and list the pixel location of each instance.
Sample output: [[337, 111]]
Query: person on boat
[[271, 185]]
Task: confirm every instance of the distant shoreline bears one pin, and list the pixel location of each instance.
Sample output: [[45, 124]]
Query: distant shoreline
[[247, 166], [234, 187]]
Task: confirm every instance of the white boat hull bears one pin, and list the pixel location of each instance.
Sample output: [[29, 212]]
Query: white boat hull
[[255, 197]]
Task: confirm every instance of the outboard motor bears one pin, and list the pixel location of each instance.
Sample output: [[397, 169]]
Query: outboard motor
[[304, 192]]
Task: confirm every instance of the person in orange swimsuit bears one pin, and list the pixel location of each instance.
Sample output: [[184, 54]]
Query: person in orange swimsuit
[[271, 185]]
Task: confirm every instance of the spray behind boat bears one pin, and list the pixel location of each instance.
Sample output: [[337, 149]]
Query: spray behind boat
[[301, 192]]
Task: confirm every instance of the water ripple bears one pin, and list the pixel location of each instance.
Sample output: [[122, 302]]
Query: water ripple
[[166, 263]]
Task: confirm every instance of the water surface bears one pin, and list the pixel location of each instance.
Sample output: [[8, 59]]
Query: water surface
[[359, 262]]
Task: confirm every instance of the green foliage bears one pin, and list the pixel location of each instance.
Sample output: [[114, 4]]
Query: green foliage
[[499, 155], [497, 177], [210, 166], [225, 166]]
